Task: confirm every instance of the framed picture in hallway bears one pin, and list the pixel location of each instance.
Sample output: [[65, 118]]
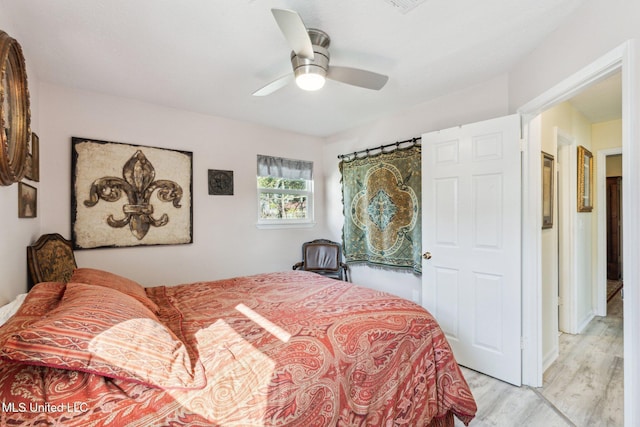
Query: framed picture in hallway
[[585, 180], [547, 190]]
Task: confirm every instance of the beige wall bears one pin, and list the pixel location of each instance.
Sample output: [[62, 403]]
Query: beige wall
[[614, 165], [594, 137], [608, 135], [567, 120]]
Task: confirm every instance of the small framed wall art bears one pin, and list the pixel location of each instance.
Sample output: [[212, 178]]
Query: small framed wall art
[[27, 201], [33, 159], [220, 182]]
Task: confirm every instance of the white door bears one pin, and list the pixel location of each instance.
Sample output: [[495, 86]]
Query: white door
[[471, 230]]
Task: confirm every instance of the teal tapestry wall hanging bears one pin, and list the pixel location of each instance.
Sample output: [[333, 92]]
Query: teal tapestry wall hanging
[[382, 215]]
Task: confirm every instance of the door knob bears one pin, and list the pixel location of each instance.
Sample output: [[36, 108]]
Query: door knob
[[426, 255]]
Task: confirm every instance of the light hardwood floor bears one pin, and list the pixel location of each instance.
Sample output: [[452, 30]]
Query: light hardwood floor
[[583, 387]]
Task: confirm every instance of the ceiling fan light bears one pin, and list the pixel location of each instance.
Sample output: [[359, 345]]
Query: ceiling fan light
[[310, 81]]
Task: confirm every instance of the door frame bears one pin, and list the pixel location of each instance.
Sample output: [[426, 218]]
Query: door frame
[[625, 59], [567, 287], [601, 259]]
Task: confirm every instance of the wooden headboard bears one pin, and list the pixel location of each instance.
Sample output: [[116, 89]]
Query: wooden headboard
[[50, 259]]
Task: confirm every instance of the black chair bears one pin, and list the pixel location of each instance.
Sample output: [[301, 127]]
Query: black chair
[[50, 259], [323, 257]]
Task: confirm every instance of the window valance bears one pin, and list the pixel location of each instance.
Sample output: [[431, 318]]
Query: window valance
[[279, 167]]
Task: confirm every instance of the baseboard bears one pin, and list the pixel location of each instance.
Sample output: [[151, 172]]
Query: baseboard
[[550, 357], [585, 322]]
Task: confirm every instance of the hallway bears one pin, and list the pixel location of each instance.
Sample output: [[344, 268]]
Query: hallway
[[583, 387]]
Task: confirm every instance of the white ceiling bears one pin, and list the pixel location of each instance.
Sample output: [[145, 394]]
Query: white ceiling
[[602, 101], [209, 56]]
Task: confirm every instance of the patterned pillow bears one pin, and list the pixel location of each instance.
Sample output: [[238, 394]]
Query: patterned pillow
[[102, 331], [92, 276]]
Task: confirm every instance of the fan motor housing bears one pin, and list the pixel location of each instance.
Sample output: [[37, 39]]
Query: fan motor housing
[[320, 63]]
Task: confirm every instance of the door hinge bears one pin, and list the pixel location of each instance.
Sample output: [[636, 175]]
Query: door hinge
[[523, 144], [522, 344]]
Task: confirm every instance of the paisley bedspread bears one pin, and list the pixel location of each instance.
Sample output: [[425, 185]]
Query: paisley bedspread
[[277, 349]]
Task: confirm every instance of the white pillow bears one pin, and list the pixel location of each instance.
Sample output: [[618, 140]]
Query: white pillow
[[8, 310]]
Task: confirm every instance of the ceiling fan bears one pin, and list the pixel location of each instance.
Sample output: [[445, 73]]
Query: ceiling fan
[[310, 59]]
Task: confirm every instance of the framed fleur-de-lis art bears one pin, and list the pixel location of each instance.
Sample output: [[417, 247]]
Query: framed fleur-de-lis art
[[130, 195]]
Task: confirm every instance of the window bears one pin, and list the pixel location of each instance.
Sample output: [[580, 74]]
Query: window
[[285, 191]]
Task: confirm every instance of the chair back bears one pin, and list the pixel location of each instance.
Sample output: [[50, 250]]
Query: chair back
[[324, 257], [50, 259], [321, 255]]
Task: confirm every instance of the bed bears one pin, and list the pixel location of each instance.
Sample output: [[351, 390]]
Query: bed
[[277, 349]]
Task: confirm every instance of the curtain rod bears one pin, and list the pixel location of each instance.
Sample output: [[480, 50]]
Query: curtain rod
[[368, 151]]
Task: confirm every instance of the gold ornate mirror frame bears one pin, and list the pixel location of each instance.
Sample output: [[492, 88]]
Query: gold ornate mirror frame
[[15, 116]]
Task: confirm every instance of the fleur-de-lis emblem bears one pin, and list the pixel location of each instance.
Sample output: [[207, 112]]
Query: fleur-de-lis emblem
[[139, 185]]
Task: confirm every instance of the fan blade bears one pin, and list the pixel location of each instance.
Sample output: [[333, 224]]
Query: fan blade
[[274, 85], [357, 77], [294, 31]]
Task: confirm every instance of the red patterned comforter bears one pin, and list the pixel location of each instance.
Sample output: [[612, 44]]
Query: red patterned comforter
[[280, 349]]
